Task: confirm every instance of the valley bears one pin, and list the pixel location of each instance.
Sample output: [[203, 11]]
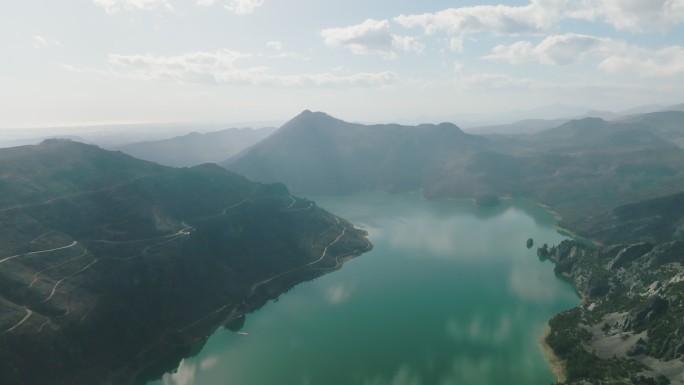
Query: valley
[[96, 238]]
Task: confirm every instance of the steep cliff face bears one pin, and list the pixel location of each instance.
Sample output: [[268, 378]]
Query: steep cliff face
[[630, 327], [108, 263]]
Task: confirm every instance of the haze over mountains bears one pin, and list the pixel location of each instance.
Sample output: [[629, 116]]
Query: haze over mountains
[[578, 168], [196, 148], [546, 118]]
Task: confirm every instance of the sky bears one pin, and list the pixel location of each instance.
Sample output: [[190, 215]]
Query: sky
[[72, 62]]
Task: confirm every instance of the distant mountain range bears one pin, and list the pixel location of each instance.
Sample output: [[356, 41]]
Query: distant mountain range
[[531, 126], [195, 148], [108, 263], [580, 167]]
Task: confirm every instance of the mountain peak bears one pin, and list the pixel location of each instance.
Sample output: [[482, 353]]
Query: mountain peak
[[450, 126], [311, 119]]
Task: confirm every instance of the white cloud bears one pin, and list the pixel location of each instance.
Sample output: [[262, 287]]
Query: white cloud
[[499, 81], [614, 56], [371, 36], [40, 42], [277, 45], [632, 15], [244, 7], [407, 44], [539, 16], [558, 49], [361, 79], [206, 3], [534, 18], [196, 67], [221, 67], [456, 44], [666, 62], [114, 6]]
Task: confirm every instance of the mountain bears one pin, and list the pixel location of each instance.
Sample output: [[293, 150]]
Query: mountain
[[667, 124], [645, 109], [195, 148], [528, 126], [653, 220], [676, 107], [606, 115], [316, 153], [5, 142], [110, 264], [578, 168], [590, 165]]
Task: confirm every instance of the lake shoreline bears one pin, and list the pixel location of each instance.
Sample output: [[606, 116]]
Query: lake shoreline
[[556, 364]]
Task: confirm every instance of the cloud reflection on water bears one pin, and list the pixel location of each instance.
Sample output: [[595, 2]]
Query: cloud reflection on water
[[480, 331], [184, 375], [187, 371], [533, 287], [339, 293], [452, 236]]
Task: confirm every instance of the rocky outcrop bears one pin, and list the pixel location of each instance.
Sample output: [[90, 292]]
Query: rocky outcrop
[[630, 326]]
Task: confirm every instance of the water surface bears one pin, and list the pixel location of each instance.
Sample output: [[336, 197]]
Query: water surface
[[449, 295]]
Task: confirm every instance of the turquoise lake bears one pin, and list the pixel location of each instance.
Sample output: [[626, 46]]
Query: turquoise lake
[[449, 295]]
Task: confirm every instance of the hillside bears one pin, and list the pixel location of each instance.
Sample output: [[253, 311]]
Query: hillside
[[652, 220], [527, 126], [195, 148], [586, 166], [109, 264], [628, 328]]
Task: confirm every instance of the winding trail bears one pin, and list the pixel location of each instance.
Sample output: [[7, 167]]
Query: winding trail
[[41, 236], [74, 243], [294, 201], [323, 255], [54, 288], [249, 197], [290, 209], [28, 314], [44, 324], [337, 258], [181, 232], [36, 276], [203, 318]]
